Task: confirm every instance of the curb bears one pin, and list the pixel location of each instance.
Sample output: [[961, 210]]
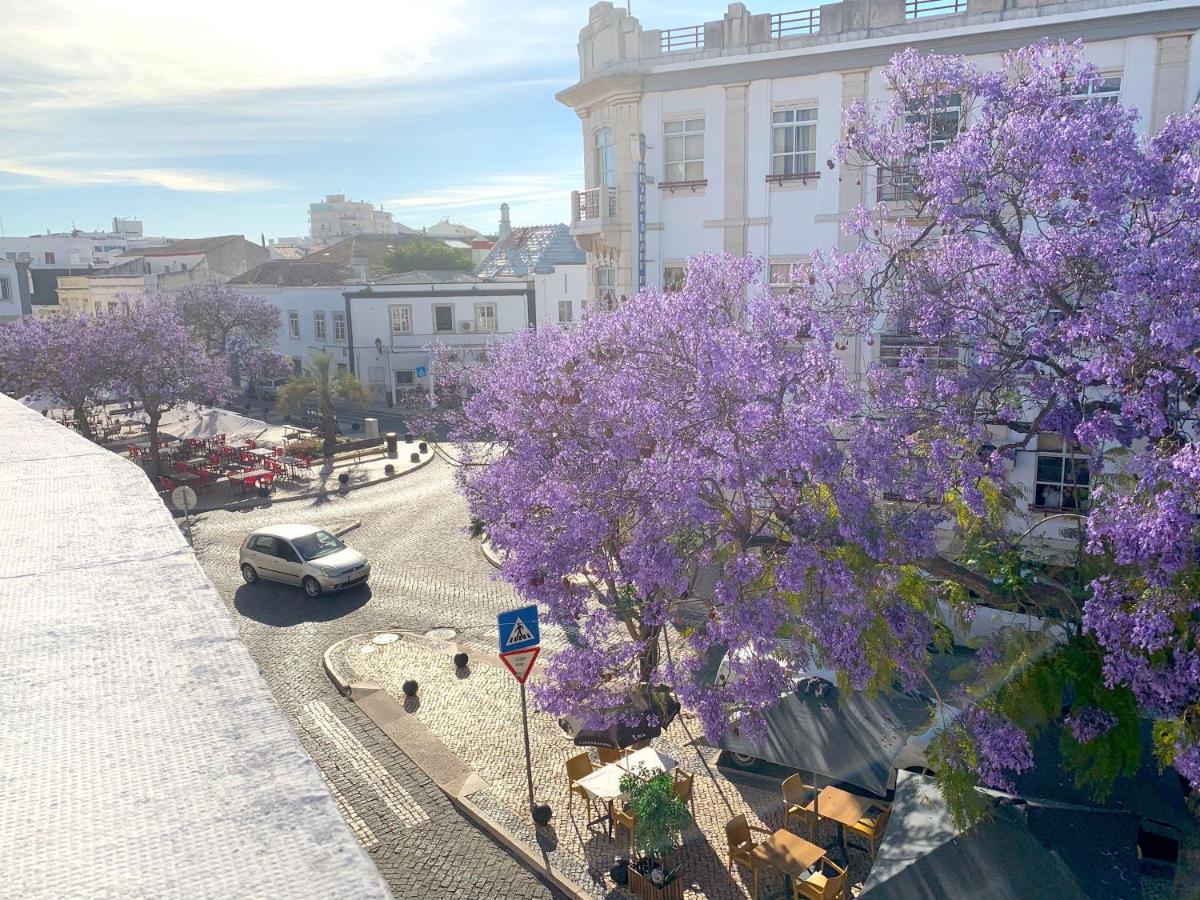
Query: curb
[[258, 502], [488, 553], [501, 835]]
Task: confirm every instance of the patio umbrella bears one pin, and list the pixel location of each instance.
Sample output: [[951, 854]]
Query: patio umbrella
[[633, 723], [1025, 850], [843, 736]]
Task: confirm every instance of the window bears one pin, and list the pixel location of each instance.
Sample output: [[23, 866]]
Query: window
[[674, 278], [606, 288], [319, 324], [1063, 478], [602, 163], [794, 142], [25, 256], [297, 365], [342, 367], [294, 324], [375, 374], [443, 319], [5, 289], [183, 267], [939, 120], [684, 150], [339, 326], [1107, 90], [897, 350], [406, 378], [400, 319], [10, 255], [49, 258], [485, 316], [566, 312], [112, 306]]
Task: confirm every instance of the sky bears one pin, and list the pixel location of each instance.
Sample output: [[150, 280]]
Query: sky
[[231, 117]]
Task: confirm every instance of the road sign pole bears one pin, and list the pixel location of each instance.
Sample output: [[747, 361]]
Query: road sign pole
[[528, 759]]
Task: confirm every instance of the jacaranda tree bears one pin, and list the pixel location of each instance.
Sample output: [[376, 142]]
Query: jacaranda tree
[[702, 459], [237, 328]]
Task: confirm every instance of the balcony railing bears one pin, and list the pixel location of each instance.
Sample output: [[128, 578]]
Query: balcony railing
[[917, 9], [690, 37], [599, 202], [802, 21]]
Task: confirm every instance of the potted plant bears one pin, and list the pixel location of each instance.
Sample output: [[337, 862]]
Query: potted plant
[[661, 816]]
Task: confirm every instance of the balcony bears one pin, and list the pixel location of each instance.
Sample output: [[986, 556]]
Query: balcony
[[594, 217], [803, 21]]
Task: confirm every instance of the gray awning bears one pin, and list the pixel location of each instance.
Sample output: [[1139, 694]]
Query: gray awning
[[1027, 850]]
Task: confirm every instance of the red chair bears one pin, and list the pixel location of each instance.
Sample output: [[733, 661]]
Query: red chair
[[279, 451], [220, 438], [134, 452], [166, 483], [250, 445], [214, 460], [267, 480]]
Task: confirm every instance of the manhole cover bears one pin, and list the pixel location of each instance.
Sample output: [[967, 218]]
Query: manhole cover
[[441, 634], [386, 638]]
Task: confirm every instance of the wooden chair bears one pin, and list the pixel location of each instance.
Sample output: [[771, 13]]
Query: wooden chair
[[685, 783], [827, 882], [870, 828], [624, 818], [738, 832], [608, 755], [578, 766], [800, 801]]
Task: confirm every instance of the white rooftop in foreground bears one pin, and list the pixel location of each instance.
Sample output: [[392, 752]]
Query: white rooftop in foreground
[[141, 753]]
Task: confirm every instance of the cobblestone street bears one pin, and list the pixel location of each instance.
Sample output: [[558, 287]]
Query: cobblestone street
[[427, 574]]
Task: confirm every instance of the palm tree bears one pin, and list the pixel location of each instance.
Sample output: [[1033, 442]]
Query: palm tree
[[320, 385]]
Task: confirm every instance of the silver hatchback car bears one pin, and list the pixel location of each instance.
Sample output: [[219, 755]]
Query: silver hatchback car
[[305, 555]]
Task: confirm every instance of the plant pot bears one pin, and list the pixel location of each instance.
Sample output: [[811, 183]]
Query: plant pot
[[642, 886]]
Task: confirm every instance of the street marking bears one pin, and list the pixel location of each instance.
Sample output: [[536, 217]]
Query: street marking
[[361, 829], [364, 763]]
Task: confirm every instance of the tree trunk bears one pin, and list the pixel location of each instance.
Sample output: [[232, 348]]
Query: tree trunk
[[85, 427], [328, 426], [155, 462], [649, 659]]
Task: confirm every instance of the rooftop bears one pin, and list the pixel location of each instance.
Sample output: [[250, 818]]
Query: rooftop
[[305, 272], [190, 247], [373, 247], [425, 276], [530, 249], [142, 753]]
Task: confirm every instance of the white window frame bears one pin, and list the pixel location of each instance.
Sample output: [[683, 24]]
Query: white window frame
[[674, 277], [802, 163], [606, 287], [682, 163], [894, 347], [435, 308], [6, 292], [404, 311], [604, 154], [294, 324], [339, 327], [566, 312], [484, 311], [320, 331], [1105, 92], [1063, 493]]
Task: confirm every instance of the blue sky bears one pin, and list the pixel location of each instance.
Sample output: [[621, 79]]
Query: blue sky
[[232, 117]]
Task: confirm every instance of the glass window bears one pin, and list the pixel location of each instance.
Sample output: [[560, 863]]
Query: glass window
[[319, 324], [314, 546], [5, 290], [566, 311], [602, 164], [684, 141], [49, 258], [297, 365], [897, 350], [674, 278], [443, 319], [485, 316], [606, 287], [938, 119], [1107, 90], [293, 323], [400, 318], [1063, 478], [10, 255], [794, 141], [406, 378], [339, 326]]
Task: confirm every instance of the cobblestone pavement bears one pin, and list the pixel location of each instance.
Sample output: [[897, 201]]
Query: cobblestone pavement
[[471, 712], [427, 574]]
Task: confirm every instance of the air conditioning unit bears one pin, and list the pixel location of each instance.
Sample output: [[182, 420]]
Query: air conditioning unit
[[465, 326]]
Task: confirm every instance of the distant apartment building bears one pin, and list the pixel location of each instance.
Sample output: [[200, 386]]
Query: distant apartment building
[[16, 290], [335, 217], [381, 326], [445, 229], [77, 249], [718, 137]]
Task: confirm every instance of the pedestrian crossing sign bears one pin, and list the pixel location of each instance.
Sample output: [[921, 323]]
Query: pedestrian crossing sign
[[518, 629]]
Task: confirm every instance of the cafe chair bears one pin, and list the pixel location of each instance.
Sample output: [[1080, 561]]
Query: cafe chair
[[623, 818], [800, 802], [685, 783], [871, 828], [579, 766], [608, 755], [827, 881], [738, 832]]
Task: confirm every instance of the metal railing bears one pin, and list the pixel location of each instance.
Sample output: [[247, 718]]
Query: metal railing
[[594, 203], [916, 9], [690, 37], [801, 21]]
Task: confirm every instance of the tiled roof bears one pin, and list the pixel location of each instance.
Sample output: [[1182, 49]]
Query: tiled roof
[[438, 276], [189, 247], [534, 248], [142, 754], [374, 247], [297, 273]]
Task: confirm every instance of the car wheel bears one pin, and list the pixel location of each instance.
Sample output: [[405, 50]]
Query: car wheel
[[249, 574], [312, 587]]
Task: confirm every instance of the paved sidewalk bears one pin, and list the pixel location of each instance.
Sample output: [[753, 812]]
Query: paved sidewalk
[[475, 714]]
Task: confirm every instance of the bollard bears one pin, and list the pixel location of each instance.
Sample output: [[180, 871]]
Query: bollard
[[390, 437]]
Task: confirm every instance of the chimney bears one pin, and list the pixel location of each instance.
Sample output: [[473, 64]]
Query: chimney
[[262, 236], [505, 225]]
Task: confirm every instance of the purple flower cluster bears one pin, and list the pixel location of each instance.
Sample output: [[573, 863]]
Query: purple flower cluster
[[1000, 747], [1089, 723]]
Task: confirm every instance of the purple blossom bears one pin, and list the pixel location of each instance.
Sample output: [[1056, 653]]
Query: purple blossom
[[1089, 723]]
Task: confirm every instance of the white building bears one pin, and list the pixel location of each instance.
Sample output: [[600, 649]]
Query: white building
[[445, 229], [77, 249], [736, 118], [16, 288], [336, 217]]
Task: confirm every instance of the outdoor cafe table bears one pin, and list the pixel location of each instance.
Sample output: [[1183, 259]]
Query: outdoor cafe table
[[844, 807], [264, 452], [789, 853], [237, 445], [604, 784], [240, 478]]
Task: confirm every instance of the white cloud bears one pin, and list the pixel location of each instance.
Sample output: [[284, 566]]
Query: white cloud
[[171, 179]]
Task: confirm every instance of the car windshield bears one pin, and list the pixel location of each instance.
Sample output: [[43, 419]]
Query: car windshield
[[314, 546]]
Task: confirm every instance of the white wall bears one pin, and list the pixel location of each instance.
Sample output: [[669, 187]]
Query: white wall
[[567, 284]]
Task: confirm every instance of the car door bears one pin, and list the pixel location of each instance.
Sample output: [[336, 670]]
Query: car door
[[289, 562], [265, 559]]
